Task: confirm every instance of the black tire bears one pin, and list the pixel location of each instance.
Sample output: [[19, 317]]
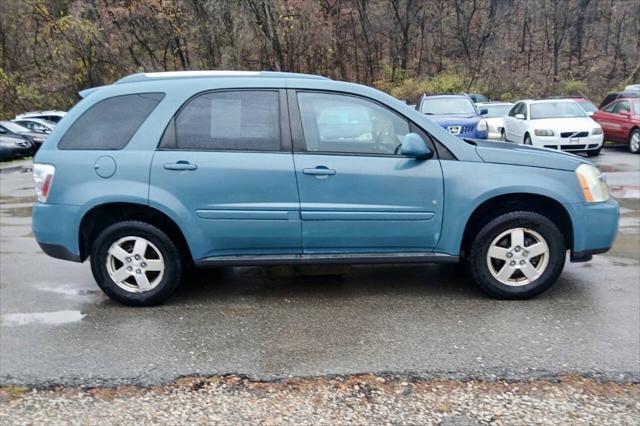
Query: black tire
[[636, 149], [594, 152], [173, 263], [527, 139], [525, 219]]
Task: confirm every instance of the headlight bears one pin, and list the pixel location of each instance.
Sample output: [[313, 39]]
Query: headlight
[[597, 131], [543, 132], [594, 187], [482, 125]]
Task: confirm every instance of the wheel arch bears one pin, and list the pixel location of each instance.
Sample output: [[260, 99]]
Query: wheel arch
[[505, 203], [100, 216]]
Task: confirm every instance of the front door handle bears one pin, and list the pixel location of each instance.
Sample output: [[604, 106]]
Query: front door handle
[[319, 171], [180, 165]]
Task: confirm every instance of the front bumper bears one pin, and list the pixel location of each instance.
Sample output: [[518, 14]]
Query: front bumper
[[595, 226], [567, 144], [55, 228]]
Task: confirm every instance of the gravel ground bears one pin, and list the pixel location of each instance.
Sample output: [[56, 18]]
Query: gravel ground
[[364, 399]]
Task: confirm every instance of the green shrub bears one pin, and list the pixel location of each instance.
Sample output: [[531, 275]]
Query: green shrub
[[571, 87]]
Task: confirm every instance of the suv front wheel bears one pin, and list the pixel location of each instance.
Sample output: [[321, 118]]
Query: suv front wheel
[[517, 255], [136, 263]]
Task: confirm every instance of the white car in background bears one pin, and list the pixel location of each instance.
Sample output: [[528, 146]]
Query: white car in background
[[553, 123], [632, 88], [494, 117], [49, 115], [36, 124]]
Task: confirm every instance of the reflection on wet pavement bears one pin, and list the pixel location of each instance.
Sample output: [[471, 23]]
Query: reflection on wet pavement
[[49, 318]]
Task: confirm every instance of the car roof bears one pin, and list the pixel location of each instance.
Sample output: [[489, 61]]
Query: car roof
[[168, 75], [35, 119], [46, 112], [572, 97], [153, 77], [446, 95], [494, 103], [545, 101], [626, 99]]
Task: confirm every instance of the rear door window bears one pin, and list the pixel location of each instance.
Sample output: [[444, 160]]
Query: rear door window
[[110, 123], [245, 120], [622, 106]]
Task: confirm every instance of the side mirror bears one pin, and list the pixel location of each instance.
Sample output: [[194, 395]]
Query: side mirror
[[414, 146], [590, 113], [520, 116], [484, 111]]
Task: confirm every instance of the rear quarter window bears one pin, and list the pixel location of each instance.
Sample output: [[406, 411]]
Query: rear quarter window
[[110, 123]]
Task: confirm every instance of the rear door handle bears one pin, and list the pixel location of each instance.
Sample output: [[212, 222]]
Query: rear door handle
[[180, 165], [319, 171]]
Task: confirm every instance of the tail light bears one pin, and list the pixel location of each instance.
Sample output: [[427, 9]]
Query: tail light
[[43, 177]]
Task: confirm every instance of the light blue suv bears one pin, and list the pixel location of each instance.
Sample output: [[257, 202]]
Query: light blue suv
[[162, 171]]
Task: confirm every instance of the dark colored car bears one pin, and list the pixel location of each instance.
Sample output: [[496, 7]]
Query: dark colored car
[[12, 147], [456, 113], [14, 129], [620, 121], [617, 95]]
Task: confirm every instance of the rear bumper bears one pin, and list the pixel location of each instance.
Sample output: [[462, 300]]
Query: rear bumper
[[59, 252], [55, 229], [595, 226]]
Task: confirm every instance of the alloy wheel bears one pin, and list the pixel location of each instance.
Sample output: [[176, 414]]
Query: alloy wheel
[[518, 257], [135, 264], [634, 143]]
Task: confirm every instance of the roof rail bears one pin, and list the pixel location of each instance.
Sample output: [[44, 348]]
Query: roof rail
[[169, 75]]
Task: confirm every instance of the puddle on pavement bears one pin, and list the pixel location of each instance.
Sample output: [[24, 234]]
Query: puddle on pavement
[[629, 205], [67, 291], [17, 211], [48, 318], [625, 191], [17, 200], [607, 168]]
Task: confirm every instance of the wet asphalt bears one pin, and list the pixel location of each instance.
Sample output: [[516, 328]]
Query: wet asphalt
[[57, 328]]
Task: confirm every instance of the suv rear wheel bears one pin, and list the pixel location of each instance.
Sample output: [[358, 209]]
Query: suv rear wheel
[[136, 263], [517, 255]]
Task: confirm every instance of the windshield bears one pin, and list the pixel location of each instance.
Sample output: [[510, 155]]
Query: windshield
[[587, 106], [479, 98], [496, 110], [48, 123], [566, 109], [13, 127], [445, 106]]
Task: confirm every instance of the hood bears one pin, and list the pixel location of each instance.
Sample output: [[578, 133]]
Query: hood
[[455, 119], [573, 124], [525, 155]]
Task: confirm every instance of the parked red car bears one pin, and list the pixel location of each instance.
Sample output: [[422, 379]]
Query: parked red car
[[620, 121]]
